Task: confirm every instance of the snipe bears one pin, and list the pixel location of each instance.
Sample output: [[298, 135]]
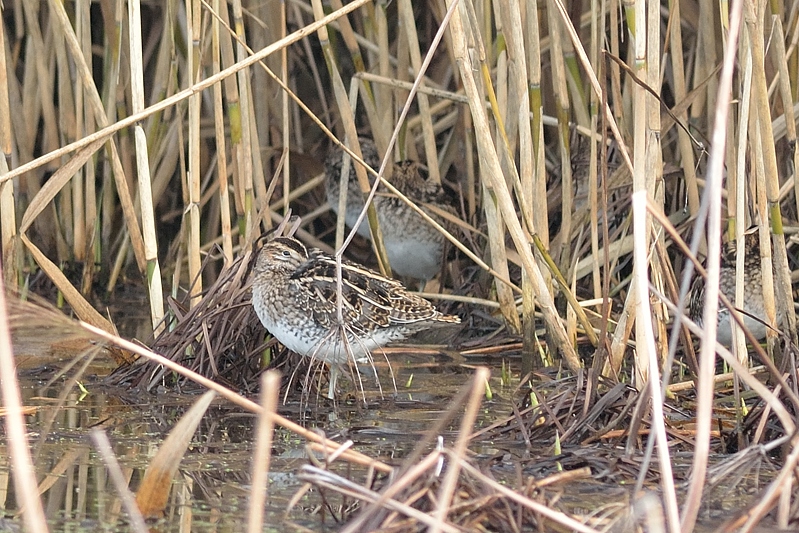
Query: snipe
[[415, 248], [753, 291], [295, 297]]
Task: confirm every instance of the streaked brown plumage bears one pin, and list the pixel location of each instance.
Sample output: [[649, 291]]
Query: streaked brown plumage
[[753, 291], [295, 297], [415, 248]]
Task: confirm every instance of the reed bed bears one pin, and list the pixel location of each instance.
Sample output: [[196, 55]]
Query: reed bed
[[582, 143]]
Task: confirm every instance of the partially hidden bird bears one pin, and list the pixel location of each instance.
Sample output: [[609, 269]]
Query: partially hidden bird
[[415, 248], [754, 315]]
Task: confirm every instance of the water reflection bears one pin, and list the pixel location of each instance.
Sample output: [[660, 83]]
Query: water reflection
[[210, 492]]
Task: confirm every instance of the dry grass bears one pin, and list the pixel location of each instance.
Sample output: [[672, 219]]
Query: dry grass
[[544, 118]]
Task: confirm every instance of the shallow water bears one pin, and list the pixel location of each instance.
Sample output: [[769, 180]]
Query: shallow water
[[210, 491]]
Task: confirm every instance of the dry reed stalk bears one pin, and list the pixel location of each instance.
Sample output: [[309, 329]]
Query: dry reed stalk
[[244, 155], [598, 8], [494, 173], [286, 112], [783, 77], [19, 452], [384, 99], [192, 187], [783, 270], [348, 122], [71, 210], [259, 179], [737, 202], [8, 231], [494, 222], [707, 354], [346, 166], [530, 161], [646, 345], [448, 486], [767, 179], [147, 210], [636, 20], [408, 22], [233, 113], [536, 182], [270, 387], [100, 117], [84, 126], [654, 169], [561, 244], [221, 151]]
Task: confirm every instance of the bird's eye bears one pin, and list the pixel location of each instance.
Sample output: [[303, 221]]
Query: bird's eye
[[286, 253]]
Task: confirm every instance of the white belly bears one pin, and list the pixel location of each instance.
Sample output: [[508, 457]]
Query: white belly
[[415, 258], [724, 333]]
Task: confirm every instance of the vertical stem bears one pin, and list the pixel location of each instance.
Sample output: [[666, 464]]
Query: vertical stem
[[408, 21], [284, 75], [707, 357], [8, 224], [16, 435], [245, 160], [221, 151], [143, 167]]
